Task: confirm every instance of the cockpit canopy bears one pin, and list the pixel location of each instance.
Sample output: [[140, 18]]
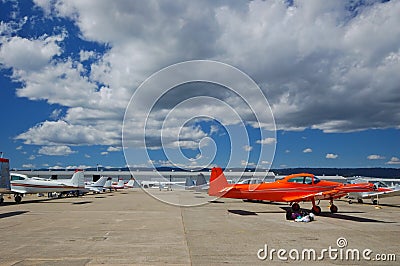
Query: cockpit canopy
[[304, 180]]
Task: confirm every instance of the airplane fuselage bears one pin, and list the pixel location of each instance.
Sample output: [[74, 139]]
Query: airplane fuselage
[[39, 186], [278, 191]]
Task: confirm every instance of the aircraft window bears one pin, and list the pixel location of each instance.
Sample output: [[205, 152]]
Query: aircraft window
[[308, 180], [296, 179], [16, 177], [316, 180], [379, 184]]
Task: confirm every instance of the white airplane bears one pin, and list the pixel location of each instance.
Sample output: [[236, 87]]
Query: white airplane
[[22, 184], [5, 186], [108, 185], [200, 183], [386, 191], [161, 184], [119, 185], [98, 186], [130, 184]]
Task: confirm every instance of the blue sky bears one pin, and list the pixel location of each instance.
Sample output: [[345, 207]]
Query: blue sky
[[329, 71]]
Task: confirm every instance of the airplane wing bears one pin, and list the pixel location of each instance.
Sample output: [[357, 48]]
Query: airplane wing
[[334, 193], [388, 193], [173, 183], [18, 190]]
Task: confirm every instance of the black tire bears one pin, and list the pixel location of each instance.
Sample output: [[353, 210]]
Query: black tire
[[295, 207], [316, 210], [18, 198], [1, 200], [375, 202], [360, 201], [289, 214], [333, 208]]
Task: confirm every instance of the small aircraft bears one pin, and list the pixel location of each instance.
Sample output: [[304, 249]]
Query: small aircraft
[[98, 186], [22, 184], [5, 186], [199, 184], [108, 185], [293, 189], [161, 184], [130, 184], [119, 185], [384, 191]]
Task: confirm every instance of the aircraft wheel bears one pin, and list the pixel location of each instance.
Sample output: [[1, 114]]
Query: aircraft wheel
[[333, 208], [316, 210], [295, 207], [375, 202], [17, 198], [289, 214], [1, 200], [350, 202], [360, 201]]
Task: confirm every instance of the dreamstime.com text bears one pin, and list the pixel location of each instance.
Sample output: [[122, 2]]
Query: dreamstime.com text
[[340, 252]]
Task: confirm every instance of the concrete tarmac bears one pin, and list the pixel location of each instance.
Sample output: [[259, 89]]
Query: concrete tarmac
[[129, 227]]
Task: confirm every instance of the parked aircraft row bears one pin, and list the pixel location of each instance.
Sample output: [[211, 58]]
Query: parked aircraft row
[[385, 190], [20, 184], [293, 189]]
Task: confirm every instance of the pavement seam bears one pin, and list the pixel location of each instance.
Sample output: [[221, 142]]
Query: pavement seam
[[185, 236]]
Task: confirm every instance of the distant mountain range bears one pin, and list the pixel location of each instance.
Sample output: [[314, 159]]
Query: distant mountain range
[[346, 172]]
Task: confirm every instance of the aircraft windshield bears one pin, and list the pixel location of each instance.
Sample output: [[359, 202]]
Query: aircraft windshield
[[379, 184], [308, 180], [296, 179], [16, 177]]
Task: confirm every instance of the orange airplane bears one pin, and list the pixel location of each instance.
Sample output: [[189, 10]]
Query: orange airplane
[[293, 189]]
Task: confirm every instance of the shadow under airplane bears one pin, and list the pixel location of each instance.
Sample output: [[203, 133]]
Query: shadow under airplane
[[10, 214]]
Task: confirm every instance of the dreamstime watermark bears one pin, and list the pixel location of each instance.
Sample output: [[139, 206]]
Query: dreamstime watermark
[[339, 252], [196, 115]]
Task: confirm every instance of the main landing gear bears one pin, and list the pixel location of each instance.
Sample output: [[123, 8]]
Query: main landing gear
[[17, 198], [295, 208]]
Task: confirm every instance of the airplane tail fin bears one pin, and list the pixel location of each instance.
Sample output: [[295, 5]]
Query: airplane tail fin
[[108, 183], [201, 180], [131, 183], [217, 182], [78, 179], [101, 182], [189, 182]]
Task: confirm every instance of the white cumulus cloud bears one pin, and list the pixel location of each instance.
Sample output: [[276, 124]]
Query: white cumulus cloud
[[375, 157], [394, 160], [308, 150], [56, 150], [247, 148], [266, 141], [331, 156]]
